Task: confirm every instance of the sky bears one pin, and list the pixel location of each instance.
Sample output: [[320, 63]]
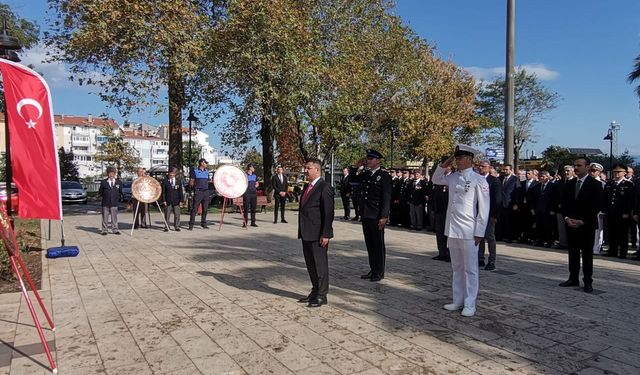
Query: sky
[[581, 49]]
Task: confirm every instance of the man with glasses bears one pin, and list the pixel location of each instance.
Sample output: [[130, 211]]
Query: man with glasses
[[495, 194], [465, 226], [580, 204]]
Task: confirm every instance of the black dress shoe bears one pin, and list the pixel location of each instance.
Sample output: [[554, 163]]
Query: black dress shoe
[[588, 288], [103, 233], [204, 226], [190, 227], [490, 267], [254, 224], [376, 277], [117, 233], [307, 299], [569, 283], [283, 221], [244, 225], [481, 263], [367, 275], [165, 230], [177, 229], [275, 221], [439, 257], [317, 302]]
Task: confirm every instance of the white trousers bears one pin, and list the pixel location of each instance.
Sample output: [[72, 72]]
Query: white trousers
[[464, 263]]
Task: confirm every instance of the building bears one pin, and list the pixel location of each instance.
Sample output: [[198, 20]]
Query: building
[[82, 135], [151, 149], [198, 139]]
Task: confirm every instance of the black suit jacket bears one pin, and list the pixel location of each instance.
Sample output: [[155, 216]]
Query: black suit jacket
[[110, 195], [510, 191], [495, 194], [278, 186], [315, 216], [526, 195], [172, 196], [541, 201], [345, 186], [588, 203], [375, 197]]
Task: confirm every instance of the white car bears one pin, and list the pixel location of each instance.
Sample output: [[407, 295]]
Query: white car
[[73, 192]]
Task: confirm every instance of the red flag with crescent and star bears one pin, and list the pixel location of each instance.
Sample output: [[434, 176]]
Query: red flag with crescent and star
[[34, 156]]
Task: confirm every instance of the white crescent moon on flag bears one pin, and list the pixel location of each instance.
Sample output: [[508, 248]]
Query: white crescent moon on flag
[[29, 101]]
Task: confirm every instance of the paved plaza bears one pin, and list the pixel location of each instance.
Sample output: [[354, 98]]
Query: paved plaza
[[224, 302]]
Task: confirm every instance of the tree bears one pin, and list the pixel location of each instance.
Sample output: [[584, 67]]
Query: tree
[[196, 151], [134, 50], [25, 31], [556, 157], [635, 74], [116, 152], [254, 157], [532, 103], [68, 167]]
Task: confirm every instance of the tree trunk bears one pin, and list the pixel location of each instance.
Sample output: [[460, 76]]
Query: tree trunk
[[516, 158], [176, 104], [266, 135]]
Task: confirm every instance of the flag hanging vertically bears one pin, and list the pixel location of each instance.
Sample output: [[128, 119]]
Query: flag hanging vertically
[[34, 157]]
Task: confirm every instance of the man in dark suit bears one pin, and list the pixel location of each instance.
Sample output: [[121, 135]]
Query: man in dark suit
[[526, 218], [510, 197], [619, 202], [345, 193], [541, 209], [439, 196], [315, 221], [581, 202], [495, 205], [375, 203], [171, 197], [110, 193], [418, 200], [280, 189]]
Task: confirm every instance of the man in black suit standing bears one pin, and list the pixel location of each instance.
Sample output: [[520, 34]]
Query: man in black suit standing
[[581, 202], [541, 209], [510, 198], [495, 205], [280, 189], [345, 192], [110, 193], [526, 217], [315, 228], [375, 203], [171, 198]]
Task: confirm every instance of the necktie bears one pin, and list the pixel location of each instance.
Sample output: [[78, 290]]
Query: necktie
[[110, 183], [578, 186], [306, 194], [173, 183], [504, 181]]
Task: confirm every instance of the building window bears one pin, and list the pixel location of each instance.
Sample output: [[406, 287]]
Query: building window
[[79, 138], [101, 138], [81, 148]]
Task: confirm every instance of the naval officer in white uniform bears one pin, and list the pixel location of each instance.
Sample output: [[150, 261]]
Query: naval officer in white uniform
[[467, 217]]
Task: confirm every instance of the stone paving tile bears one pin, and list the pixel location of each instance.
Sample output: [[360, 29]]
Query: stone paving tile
[[224, 302]]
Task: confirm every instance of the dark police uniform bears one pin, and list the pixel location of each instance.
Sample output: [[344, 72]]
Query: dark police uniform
[[201, 195], [250, 199], [619, 200], [375, 203], [439, 195], [396, 183]]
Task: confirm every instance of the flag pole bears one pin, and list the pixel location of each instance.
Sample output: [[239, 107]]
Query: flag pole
[[7, 171]]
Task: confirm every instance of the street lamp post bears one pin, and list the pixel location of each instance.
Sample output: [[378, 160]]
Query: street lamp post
[[192, 118], [8, 46], [609, 137]]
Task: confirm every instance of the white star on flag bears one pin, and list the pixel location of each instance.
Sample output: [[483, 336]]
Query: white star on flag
[[31, 124]]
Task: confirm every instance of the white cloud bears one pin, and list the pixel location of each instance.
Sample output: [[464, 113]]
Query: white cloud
[[55, 73], [490, 74]]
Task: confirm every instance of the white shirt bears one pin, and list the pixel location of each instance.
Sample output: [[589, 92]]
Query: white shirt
[[469, 202]]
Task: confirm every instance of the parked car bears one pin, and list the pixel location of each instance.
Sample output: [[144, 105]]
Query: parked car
[[14, 196], [125, 191], [73, 192]]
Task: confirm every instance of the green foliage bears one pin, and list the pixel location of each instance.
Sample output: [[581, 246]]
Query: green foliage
[[68, 167], [254, 157], [196, 151], [135, 50], [532, 103], [556, 157], [114, 151], [635, 74]]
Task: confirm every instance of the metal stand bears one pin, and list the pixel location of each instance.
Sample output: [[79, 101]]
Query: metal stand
[[19, 269], [224, 209], [135, 215]]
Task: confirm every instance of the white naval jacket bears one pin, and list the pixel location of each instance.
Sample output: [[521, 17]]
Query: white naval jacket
[[469, 202]]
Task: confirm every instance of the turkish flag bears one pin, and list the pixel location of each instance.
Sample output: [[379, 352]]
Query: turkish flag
[[34, 156]]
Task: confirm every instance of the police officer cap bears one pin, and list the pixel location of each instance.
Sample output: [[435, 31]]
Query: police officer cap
[[619, 168], [374, 154], [464, 150], [596, 166], [203, 160], [111, 169]]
